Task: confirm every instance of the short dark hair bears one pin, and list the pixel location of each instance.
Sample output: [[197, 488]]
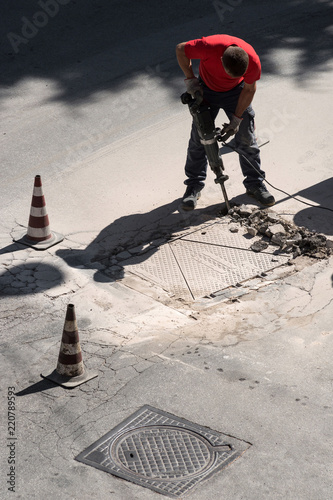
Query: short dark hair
[[235, 60]]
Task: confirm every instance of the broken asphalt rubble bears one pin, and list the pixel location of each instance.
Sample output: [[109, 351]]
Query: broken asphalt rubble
[[278, 231]]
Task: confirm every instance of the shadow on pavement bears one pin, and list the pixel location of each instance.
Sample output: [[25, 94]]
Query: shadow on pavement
[[29, 278], [84, 46], [141, 233], [42, 385], [13, 247], [316, 218]]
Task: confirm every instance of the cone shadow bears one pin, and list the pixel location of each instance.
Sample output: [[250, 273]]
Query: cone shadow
[[69, 382], [42, 385], [13, 247]]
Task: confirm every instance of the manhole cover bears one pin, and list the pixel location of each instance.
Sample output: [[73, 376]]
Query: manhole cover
[[162, 452], [205, 261]]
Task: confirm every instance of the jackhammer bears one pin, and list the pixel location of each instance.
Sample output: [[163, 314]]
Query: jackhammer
[[209, 136]]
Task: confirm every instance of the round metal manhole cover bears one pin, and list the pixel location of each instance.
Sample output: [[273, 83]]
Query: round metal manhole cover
[[162, 452]]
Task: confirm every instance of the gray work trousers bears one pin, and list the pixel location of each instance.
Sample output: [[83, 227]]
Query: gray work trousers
[[245, 140]]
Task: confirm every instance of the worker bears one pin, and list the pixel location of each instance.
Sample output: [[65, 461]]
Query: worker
[[228, 71]]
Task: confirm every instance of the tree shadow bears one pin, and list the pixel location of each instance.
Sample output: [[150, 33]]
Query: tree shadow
[[89, 46], [29, 278], [84, 46]]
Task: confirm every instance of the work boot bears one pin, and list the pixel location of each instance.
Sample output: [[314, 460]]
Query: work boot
[[261, 194], [190, 198]]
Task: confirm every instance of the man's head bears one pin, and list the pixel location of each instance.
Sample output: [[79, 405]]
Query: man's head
[[235, 61]]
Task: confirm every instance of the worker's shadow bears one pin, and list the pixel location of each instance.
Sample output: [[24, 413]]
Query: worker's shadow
[[136, 235]]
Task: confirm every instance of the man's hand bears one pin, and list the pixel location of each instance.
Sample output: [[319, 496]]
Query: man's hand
[[233, 126], [193, 86]]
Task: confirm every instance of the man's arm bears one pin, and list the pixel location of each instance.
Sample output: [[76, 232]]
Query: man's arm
[[184, 62], [245, 98]]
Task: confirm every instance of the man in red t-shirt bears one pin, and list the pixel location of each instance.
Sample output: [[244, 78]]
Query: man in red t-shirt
[[228, 71]]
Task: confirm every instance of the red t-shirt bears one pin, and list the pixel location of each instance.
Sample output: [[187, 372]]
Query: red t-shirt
[[210, 49]]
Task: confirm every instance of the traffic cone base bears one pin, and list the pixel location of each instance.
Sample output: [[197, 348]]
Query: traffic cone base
[[40, 245], [70, 382], [70, 371]]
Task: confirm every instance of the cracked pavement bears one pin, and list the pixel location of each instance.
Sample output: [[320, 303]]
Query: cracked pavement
[[255, 365]]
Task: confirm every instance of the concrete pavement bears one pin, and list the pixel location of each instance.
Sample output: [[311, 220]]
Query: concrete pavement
[[257, 366]]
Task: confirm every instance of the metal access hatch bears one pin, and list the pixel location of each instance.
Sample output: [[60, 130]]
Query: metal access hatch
[[205, 261], [163, 452]]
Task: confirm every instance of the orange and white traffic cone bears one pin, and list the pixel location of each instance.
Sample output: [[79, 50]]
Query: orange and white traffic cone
[[70, 371], [39, 235]]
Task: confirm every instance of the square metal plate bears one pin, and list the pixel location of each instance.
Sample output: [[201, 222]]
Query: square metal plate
[[203, 262], [163, 452]]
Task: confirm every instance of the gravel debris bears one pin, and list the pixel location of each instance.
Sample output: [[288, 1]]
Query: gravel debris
[[280, 232]]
